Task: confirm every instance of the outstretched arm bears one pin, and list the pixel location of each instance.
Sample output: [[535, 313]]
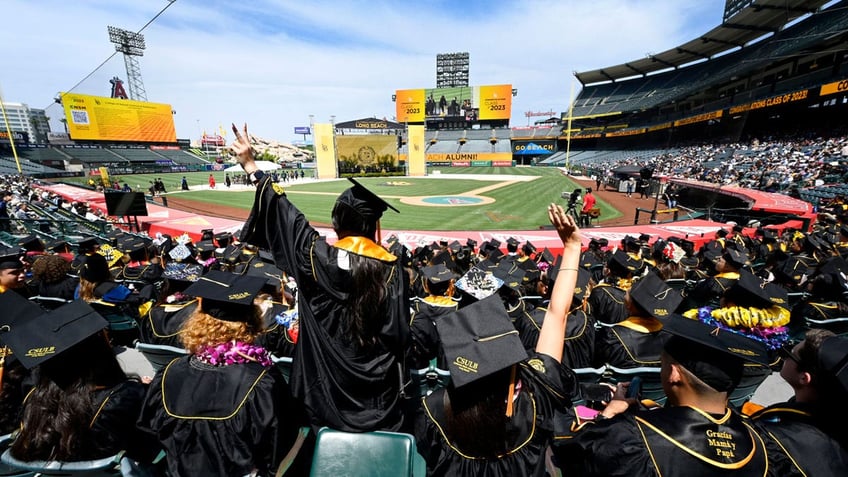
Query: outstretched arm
[[552, 335]]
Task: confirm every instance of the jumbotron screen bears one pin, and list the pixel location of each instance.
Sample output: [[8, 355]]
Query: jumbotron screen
[[96, 118], [469, 102]]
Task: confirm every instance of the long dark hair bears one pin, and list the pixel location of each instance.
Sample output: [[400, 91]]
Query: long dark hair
[[368, 295], [58, 413], [476, 416]]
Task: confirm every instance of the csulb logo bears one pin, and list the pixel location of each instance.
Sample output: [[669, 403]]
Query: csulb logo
[[239, 296], [40, 352], [465, 364]]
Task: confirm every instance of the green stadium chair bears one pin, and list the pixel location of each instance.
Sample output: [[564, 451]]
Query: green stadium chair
[[651, 383], [8, 470], [105, 467], [159, 355], [838, 326], [371, 454], [426, 380], [284, 364], [752, 377]]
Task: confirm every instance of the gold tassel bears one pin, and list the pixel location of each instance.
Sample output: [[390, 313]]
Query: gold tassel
[[509, 409]]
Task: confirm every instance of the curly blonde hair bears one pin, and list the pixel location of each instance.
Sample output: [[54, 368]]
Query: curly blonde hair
[[203, 329], [86, 290]]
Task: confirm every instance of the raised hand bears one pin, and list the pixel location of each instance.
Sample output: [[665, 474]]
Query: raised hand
[[241, 148]]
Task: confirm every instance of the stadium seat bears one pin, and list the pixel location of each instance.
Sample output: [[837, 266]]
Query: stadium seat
[[651, 383], [49, 302], [284, 364], [159, 355], [752, 378], [426, 380], [105, 467], [838, 326], [371, 454], [7, 470]]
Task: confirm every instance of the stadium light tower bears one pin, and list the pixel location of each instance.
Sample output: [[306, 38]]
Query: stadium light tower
[[131, 44]]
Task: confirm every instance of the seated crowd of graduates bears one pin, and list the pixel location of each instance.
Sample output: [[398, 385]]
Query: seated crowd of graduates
[[356, 316]]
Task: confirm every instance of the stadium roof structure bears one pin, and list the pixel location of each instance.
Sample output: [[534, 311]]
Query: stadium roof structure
[[759, 18]]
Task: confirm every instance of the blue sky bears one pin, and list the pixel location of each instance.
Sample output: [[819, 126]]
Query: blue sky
[[272, 63]]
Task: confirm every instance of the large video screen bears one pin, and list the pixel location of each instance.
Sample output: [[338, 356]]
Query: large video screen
[[96, 118], [368, 150], [472, 103]]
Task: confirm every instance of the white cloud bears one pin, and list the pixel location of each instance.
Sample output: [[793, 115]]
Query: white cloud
[[272, 63]]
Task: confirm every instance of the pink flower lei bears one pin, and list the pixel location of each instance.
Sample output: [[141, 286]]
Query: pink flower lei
[[234, 352]]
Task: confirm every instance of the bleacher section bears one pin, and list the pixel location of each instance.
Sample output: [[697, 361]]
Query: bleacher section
[[9, 166], [660, 89], [138, 155], [97, 156], [181, 157]]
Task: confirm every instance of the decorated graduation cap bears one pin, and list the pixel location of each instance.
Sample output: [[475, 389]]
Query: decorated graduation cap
[[10, 258], [479, 283], [37, 340], [716, 356], [226, 296], [183, 272], [479, 340], [833, 359], [652, 294]]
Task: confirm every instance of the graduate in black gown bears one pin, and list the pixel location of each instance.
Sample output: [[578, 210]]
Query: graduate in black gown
[[803, 434], [695, 434], [225, 409], [496, 417], [352, 303], [82, 405]]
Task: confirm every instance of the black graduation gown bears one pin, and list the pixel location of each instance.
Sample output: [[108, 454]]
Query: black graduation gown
[[579, 335], [631, 343], [708, 292], [342, 385], [796, 444], [547, 389], [113, 427], [220, 420], [669, 442], [424, 338], [606, 303], [163, 323]]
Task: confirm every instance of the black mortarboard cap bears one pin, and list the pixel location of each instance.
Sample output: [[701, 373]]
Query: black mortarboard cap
[[87, 244], [455, 246], [622, 263], [589, 260], [512, 277], [58, 245], [366, 203], [226, 296], [95, 268], [545, 256], [837, 265], [714, 355], [777, 295], [630, 244], [223, 239], [494, 243], [833, 359], [791, 270], [31, 243], [10, 258], [479, 340], [266, 271], [735, 257], [439, 273], [749, 290], [443, 258], [470, 243], [769, 234], [494, 255], [512, 242], [653, 295], [37, 340], [528, 248], [644, 238], [583, 278], [205, 246]]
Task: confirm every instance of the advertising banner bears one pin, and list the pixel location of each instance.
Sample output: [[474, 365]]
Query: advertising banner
[[495, 102], [417, 161], [325, 150], [20, 137], [472, 156], [833, 88], [534, 147], [409, 105], [97, 118], [302, 130]]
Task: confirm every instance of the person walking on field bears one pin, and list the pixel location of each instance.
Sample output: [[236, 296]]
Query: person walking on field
[[630, 187], [211, 181]]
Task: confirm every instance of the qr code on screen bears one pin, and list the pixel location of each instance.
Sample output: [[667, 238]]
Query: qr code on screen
[[79, 117]]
